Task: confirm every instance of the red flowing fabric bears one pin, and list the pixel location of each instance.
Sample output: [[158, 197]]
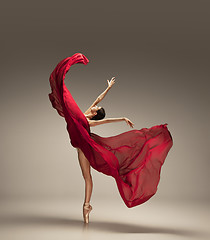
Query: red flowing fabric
[[133, 158]]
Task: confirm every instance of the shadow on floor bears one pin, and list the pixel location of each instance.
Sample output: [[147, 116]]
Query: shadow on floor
[[105, 226]]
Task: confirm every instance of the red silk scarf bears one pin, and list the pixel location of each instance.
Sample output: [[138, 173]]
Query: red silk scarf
[[133, 158]]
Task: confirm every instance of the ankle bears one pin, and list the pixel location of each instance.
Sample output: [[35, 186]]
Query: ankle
[[87, 206], [86, 203]]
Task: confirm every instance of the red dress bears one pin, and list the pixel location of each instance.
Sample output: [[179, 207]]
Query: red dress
[[133, 158]]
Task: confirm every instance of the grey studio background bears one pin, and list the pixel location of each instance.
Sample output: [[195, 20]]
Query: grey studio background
[[158, 52]]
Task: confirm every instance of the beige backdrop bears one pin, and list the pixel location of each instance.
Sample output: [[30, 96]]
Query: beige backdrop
[[159, 53]]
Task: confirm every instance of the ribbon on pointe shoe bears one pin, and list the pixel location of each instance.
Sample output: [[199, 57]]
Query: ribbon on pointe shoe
[[87, 206]]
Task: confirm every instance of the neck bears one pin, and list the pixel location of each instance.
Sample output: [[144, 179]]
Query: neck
[[89, 116]]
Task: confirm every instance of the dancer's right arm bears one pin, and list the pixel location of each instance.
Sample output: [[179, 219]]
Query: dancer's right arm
[[102, 95], [110, 84], [93, 123]]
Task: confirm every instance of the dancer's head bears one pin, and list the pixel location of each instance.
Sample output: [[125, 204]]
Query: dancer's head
[[99, 111]]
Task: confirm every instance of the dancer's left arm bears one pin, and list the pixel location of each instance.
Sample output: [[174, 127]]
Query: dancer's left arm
[[102, 95], [93, 123]]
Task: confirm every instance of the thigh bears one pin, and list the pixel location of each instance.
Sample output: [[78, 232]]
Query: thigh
[[84, 164]]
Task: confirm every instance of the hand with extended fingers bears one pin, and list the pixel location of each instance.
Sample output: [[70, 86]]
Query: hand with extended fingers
[[129, 122], [111, 82]]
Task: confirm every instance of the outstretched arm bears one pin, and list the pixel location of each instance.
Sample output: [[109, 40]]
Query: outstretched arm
[[93, 123], [102, 95]]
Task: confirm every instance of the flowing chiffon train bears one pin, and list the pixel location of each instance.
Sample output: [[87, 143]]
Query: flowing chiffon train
[[133, 158]]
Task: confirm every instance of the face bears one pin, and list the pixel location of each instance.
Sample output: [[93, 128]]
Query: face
[[95, 109]]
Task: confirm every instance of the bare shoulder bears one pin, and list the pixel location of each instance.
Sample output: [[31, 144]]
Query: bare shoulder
[[89, 121]]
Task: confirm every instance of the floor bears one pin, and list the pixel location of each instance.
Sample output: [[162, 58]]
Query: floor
[[62, 219]]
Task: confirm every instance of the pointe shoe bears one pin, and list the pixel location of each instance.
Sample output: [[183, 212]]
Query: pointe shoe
[[88, 207]]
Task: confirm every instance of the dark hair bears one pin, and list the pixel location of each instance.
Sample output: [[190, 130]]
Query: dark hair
[[100, 114]]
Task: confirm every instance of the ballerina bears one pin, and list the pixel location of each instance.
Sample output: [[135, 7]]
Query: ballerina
[[95, 116], [133, 158]]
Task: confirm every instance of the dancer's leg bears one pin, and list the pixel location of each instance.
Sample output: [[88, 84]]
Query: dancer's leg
[[85, 167]]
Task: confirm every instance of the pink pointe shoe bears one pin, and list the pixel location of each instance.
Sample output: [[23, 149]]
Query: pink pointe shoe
[[88, 207]]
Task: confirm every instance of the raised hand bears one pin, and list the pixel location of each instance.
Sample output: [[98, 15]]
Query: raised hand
[[129, 122], [111, 82]]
